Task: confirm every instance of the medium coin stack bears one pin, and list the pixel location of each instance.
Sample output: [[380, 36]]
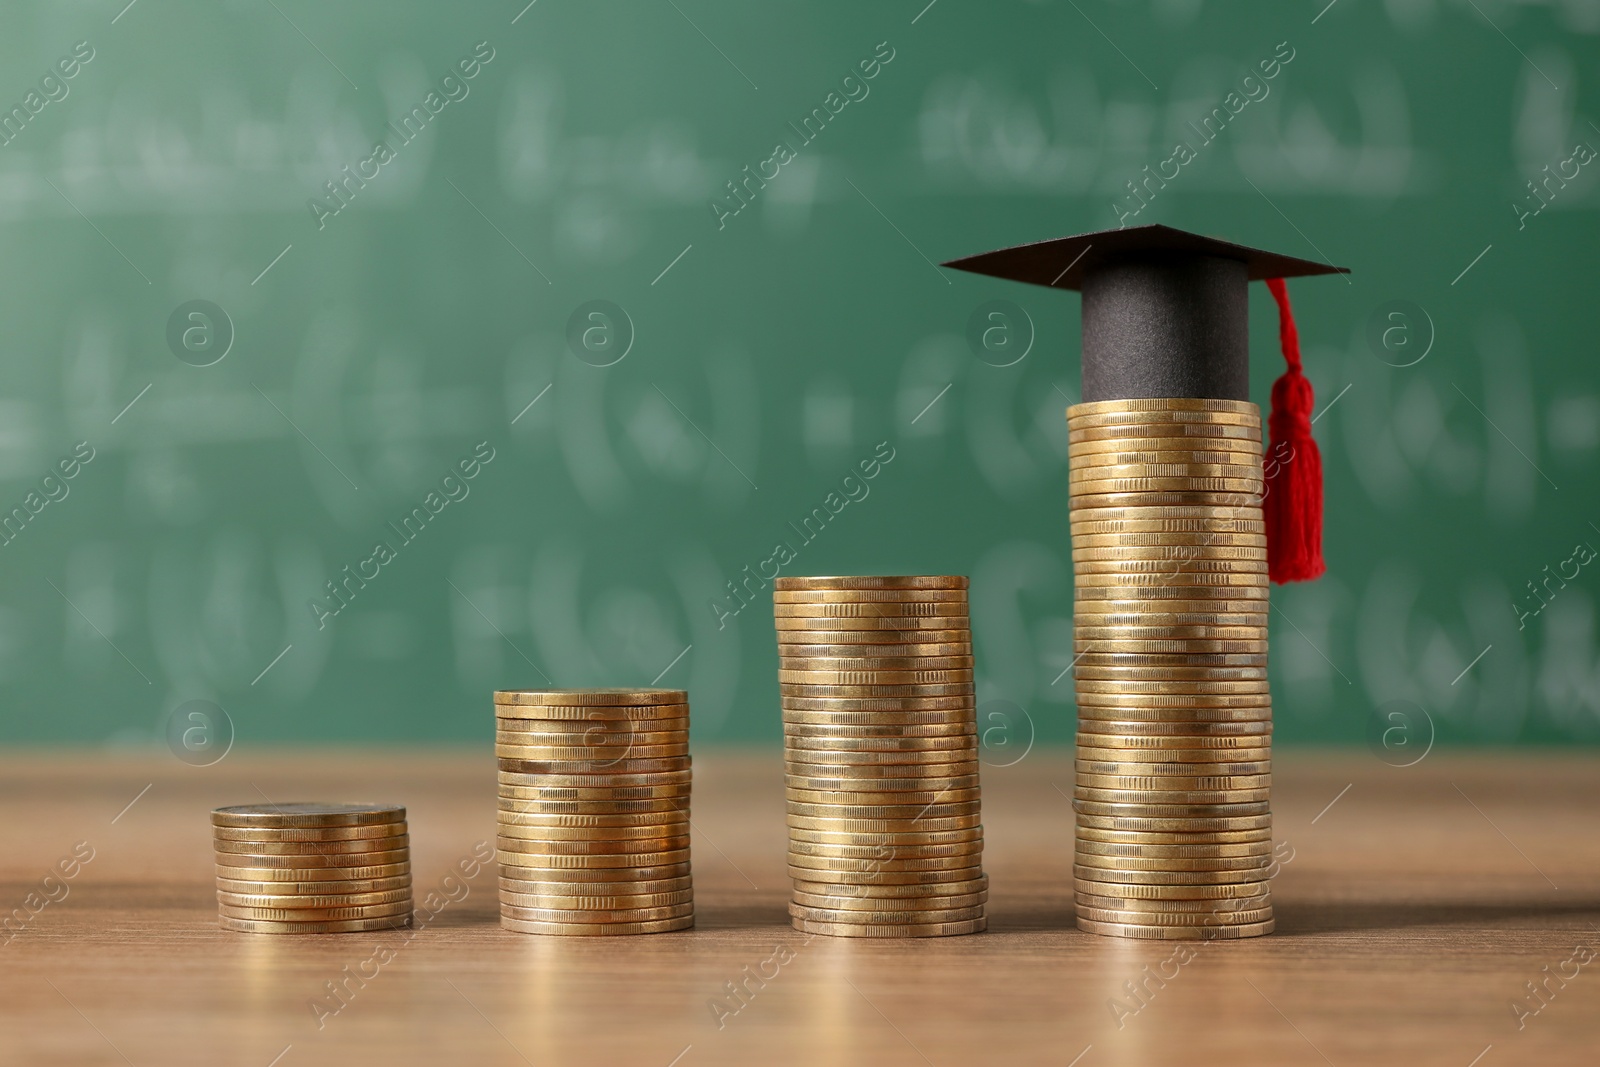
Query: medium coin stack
[[594, 811], [1174, 831], [880, 756], [312, 868]]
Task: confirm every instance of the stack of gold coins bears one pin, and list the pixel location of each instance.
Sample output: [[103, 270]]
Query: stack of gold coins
[[1174, 831], [594, 811], [312, 868], [880, 756]]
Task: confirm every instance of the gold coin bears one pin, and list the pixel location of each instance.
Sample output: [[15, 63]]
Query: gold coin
[[648, 714], [314, 874], [1185, 850], [1154, 734], [1092, 658], [1139, 569], [806, 853], [803, 711], [911, 836], [600, 904], [1105, 768], [794, 642], [952, 689], [1177, 466], [533, 772], [1180, 580], [1148, 431], [881, 906], [1118, 486], [639, 860], [626, 916], [248, 887], [1167, 546], [881, 799], [1217, 501], [623, 758], [1160, 522], [915, 747], [874, 677], [1184, 687], [307, 814], [810, 865], [929, 812], [885, 917], [1172, 865], [1102, 875], [1202, 826], [876, 663], [1240, 893], [1115, 636], [933, 778], [1104, 407], [1189, 709], [1168, 674], [591, 697], [891, 827], [331, 915], [1177, 599], [874, 875], [606, 735], [663, 926], [253, 926], [627, 846], [1124, 453], [582, 877], [1163, 810], [797, 656], [1144, 837], [1175, 756], [972, 926], [1189, 920], [1163, 556], [895, 895], [1220, 906], [871, 581], [532, 801], [866, 596], [310, 900], [311, 861], [877, 609], [1176, 933], [372, 832], [516, 811], [1082, 446], [896, 764], [653, 832], [537, 889], [899, 626]]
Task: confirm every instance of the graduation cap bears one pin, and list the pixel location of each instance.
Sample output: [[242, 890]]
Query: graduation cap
[[1166, 314]]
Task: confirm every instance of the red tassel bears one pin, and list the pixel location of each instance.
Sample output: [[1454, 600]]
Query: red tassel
[[1293, 500]]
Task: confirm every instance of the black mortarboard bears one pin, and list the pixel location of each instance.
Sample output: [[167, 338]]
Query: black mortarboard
[[1165, 312]]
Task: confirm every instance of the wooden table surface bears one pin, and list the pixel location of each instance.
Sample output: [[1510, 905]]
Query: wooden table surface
[[1418, 906]]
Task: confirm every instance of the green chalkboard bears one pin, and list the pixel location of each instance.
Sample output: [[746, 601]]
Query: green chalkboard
[[529, 329]]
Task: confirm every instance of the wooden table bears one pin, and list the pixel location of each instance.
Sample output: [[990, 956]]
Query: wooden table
[[1417, 907]]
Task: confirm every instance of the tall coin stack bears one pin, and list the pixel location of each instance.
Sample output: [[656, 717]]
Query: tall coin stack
[[1174, 831], [312, 868], [594, 811], [880, 756]]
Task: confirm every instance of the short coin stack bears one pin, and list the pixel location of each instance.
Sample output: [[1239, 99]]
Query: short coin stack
[[312, 868], [594, 811], [880, 756], [1174, 831]]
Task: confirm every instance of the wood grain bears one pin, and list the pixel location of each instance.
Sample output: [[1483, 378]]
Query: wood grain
[[1414, 911]]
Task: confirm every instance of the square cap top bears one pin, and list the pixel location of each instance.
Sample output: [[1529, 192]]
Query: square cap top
[[1062, 262]]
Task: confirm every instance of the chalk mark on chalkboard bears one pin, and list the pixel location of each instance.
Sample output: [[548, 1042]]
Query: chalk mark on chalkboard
[[501, 232], [124, 11], [1313, 644], [1474, 263], [1520, 52], [99, 231], [899, 231], [532, 402], [313, 44], [707, 436], [1332, 402], [1324, 11], [97, 629], [674, 263], [1502, 433], [302, 434], [499, 631], [671, 665], [713, 44], [1290, 221], [273, 664], [1113, 44], [1471, 665], [924, 11], [274, 262], [524, 11], [932, 402], [132, 402]]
